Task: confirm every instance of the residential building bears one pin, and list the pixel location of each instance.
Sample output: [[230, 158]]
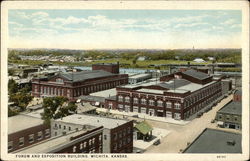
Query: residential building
[[229, 116], [178, 95], [117, 134], [74, 84], [216, 141], [24, 130]]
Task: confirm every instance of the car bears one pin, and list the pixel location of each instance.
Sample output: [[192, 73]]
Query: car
[[157, 142], [213, 121], [138, 151]]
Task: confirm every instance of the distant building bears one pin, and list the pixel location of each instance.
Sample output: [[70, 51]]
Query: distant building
[[198, 60], [216, 141], [138, 78], [24, 130], [117, 134], [108, 67], [178, 95], [74, 84], [230, 115], [141, 58]]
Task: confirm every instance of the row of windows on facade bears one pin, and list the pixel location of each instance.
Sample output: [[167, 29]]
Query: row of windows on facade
[[151, 102], [120, 134], [76, 92], [31, 139], [92, 150], [229, 117], [89, 143], [122, 142]]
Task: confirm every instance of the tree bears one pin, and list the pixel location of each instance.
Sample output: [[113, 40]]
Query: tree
[[21, 99], [12, 86], [54, 109]]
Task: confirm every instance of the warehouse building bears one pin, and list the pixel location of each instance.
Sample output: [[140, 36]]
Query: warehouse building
[[178, 95]]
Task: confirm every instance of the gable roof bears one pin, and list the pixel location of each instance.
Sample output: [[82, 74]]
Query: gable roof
[[196, 74], [144, 127], [84, 75]]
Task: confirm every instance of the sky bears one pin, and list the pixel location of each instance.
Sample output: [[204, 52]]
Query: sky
[[124, 29]]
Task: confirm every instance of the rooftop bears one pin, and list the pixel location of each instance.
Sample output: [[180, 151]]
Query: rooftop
[[105, 93], [48, 145], [144, 127], [92, 98], [22, 122], [196, 74], [232, 108], [139, 76], [151, 91], [216, 141], [83, 119], [84, 75], [238, 91]]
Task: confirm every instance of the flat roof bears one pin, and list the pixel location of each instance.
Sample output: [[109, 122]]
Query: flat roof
[[139, 76], [232, 108], [22, 122], [215, 141], [92, 98], [196, 74], [97, 121], [151, 91], [105, 93], [50, 144]]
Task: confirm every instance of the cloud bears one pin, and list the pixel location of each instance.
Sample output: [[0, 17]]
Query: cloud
[[15, 23], [191, 24], [229, 22]]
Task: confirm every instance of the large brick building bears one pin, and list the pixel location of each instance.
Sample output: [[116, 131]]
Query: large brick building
[[74, 141], [178, 95], [117, 136], [75, 84], [109, 67], [24, 130]]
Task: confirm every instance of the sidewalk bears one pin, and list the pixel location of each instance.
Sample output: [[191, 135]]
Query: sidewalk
[[143, 116]]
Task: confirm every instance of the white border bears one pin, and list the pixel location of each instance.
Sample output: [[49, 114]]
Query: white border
[[200, 5]]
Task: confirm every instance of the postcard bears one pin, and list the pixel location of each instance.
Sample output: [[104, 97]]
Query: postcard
[[125, 80]]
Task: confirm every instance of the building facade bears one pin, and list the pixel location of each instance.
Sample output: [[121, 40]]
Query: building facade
[[177, 96], [108, 67], [24, 131], [75, 84], [117, 135]]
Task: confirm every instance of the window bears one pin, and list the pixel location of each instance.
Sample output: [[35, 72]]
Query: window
[[69, 128], [10, 145], [177, 106], [115, 146], [127, 99], [74, 149], [127, 108], [90, 142], [81, 146], [136, 100], [55, 133], [120, 134], [21, 141], [100, 138], [39, 135], [64, 127], [120, 98], [177, 115], [160, 103], [143, 101], [124, 132], [47, 133], [235, 118], [105, 137], [151, 102], [115, 136], [93, 140], [129, 130], [85, 144], [120, 106], [59, 126], [128, 140], [135, 109], [31, 138], [120, 143], [169, 104], [143, 110]]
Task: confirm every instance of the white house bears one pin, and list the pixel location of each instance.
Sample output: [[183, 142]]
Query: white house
[[198, 60]]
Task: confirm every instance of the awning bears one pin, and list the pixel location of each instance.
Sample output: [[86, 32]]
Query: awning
[[220, 123], [143, 127]]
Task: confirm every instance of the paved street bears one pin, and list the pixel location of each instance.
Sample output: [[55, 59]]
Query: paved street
[[181, 135]]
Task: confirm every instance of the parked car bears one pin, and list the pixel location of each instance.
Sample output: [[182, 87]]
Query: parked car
[[157, 142]]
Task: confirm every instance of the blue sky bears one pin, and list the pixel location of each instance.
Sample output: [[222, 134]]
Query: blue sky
[[112, 29]]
